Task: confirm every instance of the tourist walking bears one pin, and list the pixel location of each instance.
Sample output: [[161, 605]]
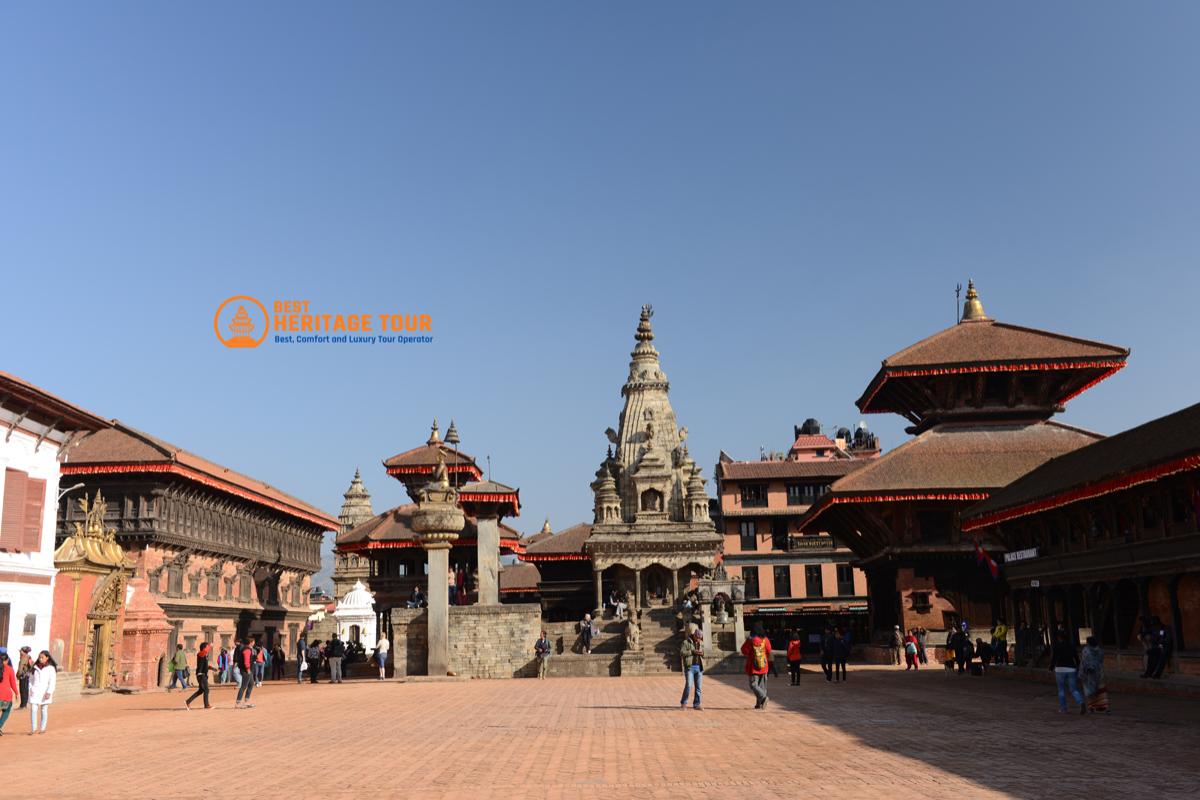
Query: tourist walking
[[897, 645], [794, 656], [260, 663], [202, 670], [302, 664], [24, 673], [691, 658], [1091, 676], [910, 651], [9, 693], [41, 691], [1000, 642], [841, 652], [314, 661], [829, 647], [1166, 643], [335, 652], [278, 660], [381, 654], [922, 635], [585, 633], [757, 650], [1065, 665], [541, 651], [223, 666], [243, 657], [961, 642], [178, 667]]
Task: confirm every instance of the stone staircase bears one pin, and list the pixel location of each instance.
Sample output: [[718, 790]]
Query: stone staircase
[[660, 641]]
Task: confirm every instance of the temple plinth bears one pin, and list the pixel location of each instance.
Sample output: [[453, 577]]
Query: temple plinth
[[438, 521]]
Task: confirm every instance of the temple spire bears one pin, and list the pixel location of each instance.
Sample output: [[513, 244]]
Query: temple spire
[[644, 332], [972, 308], [452, 434], [434, 436]]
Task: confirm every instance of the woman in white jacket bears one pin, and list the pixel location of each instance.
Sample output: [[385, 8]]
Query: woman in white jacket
[[41, 690]]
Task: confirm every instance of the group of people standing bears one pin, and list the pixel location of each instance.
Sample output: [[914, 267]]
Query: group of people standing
[[31, 683]]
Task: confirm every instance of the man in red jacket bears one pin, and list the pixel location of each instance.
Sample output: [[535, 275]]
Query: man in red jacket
[[757, 650]]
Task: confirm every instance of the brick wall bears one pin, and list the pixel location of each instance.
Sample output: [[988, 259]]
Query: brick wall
[[485, 641]]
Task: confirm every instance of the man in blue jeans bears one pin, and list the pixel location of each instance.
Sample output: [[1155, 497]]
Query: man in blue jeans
[[691, 656], [1065, 664]]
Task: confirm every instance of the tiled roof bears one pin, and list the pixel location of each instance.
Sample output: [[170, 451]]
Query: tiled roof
[[1172, 438], [395, 525], [565, 542], [809, 441], [44, 407], [964, 456], [782, 470], [519, 577], [427, 456], [124, 449], [989, 340]]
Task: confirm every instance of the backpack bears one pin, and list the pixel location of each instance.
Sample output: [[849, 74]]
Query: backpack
[[314, 653], [760, 654]]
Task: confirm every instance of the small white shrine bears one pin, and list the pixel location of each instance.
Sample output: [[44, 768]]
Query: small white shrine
[[355, 617]]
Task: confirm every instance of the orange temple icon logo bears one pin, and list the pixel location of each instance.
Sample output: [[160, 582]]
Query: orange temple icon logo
[[241, 321]]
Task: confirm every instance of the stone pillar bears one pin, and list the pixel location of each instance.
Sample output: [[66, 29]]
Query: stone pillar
[[439, 610], [675, 585], [438, 520], [739, 627], [488, 547], [637, 587], [598, 575]]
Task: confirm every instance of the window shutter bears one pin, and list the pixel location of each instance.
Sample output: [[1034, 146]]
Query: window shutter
[[12, 519], [35, 502]]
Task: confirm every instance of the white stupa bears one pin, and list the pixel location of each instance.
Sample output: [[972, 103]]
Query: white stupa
[[355, 616]]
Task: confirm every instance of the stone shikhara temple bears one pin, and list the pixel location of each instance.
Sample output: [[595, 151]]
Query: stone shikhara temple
[[651, 541]]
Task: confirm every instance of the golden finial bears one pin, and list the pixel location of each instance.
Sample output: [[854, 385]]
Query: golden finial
[[972, 308], [434, 437]]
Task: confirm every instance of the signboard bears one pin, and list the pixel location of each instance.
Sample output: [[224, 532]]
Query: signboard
[[1035, 583], [1020, 555]]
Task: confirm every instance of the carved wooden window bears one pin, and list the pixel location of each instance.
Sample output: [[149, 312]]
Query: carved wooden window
[[243, 588], [813, 585], [213, 590], [174, 581], [189, 643], [783, 580]]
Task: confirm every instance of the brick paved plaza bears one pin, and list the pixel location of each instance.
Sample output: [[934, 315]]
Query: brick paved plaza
[[884, 733]]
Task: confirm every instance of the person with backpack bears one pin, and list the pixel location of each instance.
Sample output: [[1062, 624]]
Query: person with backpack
[[335, 652], [757, 650], [691, 658], [829, 647], [314, 661], [223, 666], [178, 666], [794, 656], [243, 657], [910, 651]]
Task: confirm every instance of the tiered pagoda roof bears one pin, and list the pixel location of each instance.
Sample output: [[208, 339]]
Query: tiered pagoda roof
[[420, 462], [519, 578], [1151, 451], [393, 529]]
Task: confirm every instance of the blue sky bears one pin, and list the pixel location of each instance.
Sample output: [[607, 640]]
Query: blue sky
[[796, 187]]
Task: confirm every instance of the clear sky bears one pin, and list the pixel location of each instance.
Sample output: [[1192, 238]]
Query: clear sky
[[796, 187]]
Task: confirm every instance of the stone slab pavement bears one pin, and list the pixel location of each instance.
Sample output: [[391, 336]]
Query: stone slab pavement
[[883, 733]]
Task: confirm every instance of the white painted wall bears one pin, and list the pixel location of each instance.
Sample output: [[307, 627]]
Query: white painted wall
[[28, 598]]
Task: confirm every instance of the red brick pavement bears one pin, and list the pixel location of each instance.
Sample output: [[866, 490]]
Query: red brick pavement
[[885, 733]]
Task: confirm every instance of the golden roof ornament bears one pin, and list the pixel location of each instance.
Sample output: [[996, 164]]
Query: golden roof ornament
[[434, 436], [92, 543], [972, 308], [452, 435]]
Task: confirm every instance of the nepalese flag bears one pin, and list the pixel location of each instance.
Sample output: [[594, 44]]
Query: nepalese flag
[[982, 557]]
